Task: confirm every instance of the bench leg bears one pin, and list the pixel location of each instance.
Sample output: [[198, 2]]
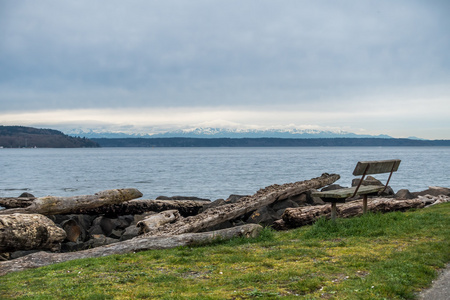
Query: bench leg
[[333, 211], [364, 204]]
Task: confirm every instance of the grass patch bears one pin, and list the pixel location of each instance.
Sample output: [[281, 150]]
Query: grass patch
[[376, 256]]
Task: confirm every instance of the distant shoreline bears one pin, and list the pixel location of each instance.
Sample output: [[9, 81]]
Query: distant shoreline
[[267, 142]]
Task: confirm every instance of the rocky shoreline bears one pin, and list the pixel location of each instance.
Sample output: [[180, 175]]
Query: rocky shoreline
[[119, 222]]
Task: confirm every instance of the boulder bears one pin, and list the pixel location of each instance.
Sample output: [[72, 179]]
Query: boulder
[[369, 180], [234, 198], [95, 229], [106, 224], [301, 199], [72, 229], [99, 240], [388, 192], [129, 233], [332, 187], [116, 234], [310, 200], [213, 204], [26, 195], [264, 216], [404, 194], [284, 204], [72, 246]]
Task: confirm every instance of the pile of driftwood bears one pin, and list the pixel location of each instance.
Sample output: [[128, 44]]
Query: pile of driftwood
[[32, 224]]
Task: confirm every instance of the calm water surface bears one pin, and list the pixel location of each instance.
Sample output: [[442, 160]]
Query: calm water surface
[[210, 173]]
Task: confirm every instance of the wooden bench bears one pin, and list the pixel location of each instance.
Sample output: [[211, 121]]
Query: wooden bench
[[362, 168]]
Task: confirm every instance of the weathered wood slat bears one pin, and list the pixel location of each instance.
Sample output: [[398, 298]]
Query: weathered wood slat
[[376, 167], [347, 192]]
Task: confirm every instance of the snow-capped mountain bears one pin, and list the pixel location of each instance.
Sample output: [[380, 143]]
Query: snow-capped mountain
[[218, 132]]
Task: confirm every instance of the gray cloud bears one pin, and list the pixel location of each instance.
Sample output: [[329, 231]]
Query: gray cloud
[[92, 54]]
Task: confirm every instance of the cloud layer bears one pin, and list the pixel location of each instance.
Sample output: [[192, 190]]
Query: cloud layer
[[369, 65]]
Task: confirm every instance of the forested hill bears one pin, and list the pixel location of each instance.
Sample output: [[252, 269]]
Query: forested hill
[[266, 142], [29, 137]]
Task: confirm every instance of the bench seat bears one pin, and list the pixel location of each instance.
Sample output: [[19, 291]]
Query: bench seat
[[341, 194], [362, 168]]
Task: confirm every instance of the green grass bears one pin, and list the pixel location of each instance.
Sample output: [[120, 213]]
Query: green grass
[[376, 256]]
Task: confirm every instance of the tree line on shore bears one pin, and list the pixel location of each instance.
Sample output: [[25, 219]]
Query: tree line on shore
[[29, 137], [266, 142]]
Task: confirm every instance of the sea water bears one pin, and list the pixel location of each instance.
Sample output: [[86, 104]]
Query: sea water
[[210, 173]]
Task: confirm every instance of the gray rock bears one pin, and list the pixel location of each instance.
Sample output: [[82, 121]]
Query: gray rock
[[116, 234], [264, 216], [332, 187], [301, 199], [73, 230], [234, 198], [72, 246], [284, 204], [369, 180], [216, 203], [95, 229], [129, 233], [310, 200], [388, 192], [99, 240], [26, 195], [106, 224], [404, 194], [128, 219]]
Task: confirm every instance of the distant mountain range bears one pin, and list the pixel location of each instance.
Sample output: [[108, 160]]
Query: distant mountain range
[[28, 137], [216, 132]]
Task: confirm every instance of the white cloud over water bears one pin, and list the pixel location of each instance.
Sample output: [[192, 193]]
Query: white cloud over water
[[380, 67]]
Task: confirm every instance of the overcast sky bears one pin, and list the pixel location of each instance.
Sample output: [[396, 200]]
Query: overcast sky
[[372, 67]]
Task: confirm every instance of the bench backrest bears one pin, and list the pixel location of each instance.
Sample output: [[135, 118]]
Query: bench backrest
[[376, 167]]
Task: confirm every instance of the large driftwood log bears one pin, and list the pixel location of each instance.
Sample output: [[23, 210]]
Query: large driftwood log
[[157, 220], [140, 206], [137, 244], [15, 202], [300, 216], [29, 231], [51, 205], [263, 197]]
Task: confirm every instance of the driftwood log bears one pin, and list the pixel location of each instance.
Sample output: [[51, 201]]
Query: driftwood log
[[300, 216], [29, 231], [157, 220], [16, 202], [51, 205], [140, 206], [137, 244], [263, 197]]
